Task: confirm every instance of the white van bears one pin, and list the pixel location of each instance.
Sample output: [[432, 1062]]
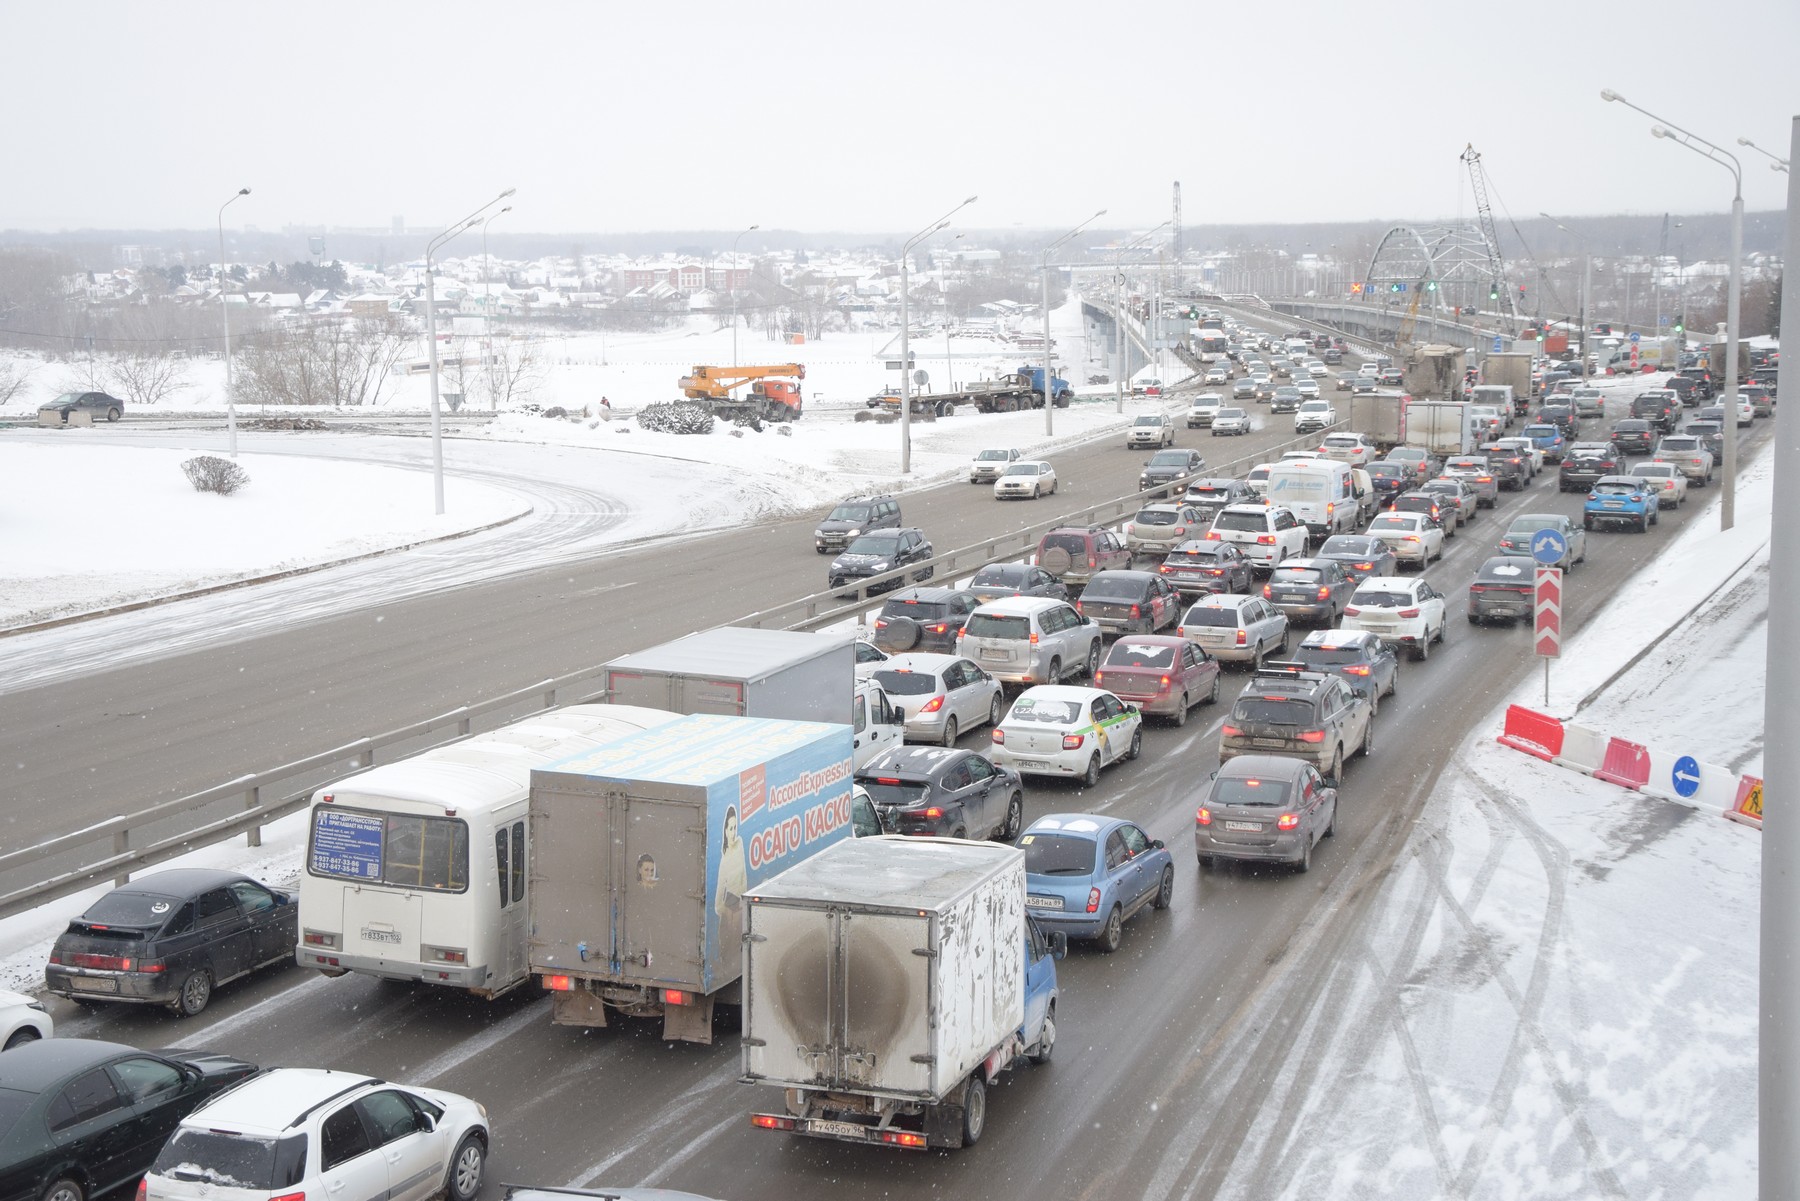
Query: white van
[[1321, 492], [417, 870]]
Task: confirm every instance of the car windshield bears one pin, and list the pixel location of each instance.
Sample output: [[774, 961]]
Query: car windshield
[[1320, 406], [1110, 586], [1057, 855], [1151, 656], [1347, 544], [1296, 575], [907, 683], [140, 909], [918, 610], [1329, 656], [1045, 711], [1249, 522], [1541, 431], [1022, 469], [1531, 523], [1394, 521], [1147, 419], [894, 790], [1654, 470], [1229, 414], [850, 513], [1609, 488], [1273, 710], [1156, 517], [1505, 571], [1211, 615], [1680, 444], [874, 544], [990, 456], [995, 625], [1169, 458], [238, 1161], [1003, 575], [1198, 557], [1380, 598]]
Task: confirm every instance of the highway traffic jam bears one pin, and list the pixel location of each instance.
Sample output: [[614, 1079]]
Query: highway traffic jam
[[927, 886]]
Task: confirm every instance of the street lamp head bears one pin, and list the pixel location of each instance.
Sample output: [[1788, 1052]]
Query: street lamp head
[[505, 194], [972, 200], [507, 209], [1608, 95], [1657, 131], [243, 191], [753, 227]]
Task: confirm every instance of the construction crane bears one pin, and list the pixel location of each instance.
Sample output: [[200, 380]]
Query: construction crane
[[1471, 158], [771, 398]]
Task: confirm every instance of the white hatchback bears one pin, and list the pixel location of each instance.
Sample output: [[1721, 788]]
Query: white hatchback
[[1671, 485], [1066, 730], [1413, 537], [941, 695], [23, 1019], [1027, 477], [1404, 612], [307, 1133]]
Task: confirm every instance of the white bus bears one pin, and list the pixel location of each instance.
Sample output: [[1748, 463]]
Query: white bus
[[1211, 344], [416, 870]]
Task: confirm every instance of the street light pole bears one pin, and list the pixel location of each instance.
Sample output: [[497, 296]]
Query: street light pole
[[906, 333], [1049, 387], [1120, 370], [734, 292], [437, 421], [1778, 1054], [1587, 265], [1705, 149], [225, 312], [487, 311], [1776, 162]]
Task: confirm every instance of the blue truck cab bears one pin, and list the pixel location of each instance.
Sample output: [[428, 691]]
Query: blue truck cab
[[1059, 387]]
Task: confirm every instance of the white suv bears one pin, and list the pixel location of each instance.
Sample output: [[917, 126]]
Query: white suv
[[1266, 534], [1030, 640], [313, 1135], [1403, 612]]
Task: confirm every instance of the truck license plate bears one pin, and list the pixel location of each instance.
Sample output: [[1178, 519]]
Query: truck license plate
[[841, 1129], [92, 984], [369, 934], [1247, 827]]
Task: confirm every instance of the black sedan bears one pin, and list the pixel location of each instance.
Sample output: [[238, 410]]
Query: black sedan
[[943, 792], [1633, 436], [1503, 590], [171, 937], [80, 1117], [98, 404], [1360, 555], [1169, 468], [1015, 579], [1390, 479]]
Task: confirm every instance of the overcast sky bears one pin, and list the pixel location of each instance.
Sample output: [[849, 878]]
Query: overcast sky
[[876, 117]]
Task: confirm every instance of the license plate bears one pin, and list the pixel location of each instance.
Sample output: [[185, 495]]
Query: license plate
[[372, 935], [1246, 827], [993, 654], [1612, 504], [93, 984], [1044, 902], [1505, 610], [846, 1129], [1033, 764]]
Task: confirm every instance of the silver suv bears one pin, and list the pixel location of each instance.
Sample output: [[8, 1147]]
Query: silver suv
[[1030, 640]]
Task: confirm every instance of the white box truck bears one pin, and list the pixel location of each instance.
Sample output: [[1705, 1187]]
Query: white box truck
[[645, 847], [887, 982], [1439, 426], [741, 671]]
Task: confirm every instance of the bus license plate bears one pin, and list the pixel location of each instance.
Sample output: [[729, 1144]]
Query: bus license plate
[[372, 935]]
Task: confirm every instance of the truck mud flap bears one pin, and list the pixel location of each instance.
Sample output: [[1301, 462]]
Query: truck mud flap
[[577, 1008], [944, 1124], [689, 1023]]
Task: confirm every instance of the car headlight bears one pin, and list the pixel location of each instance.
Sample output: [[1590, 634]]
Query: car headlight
[[818, 533], [852, 533], [879, 565]]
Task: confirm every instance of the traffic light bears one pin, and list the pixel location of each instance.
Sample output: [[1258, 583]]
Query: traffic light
[[1493, 291], [1540, 335], [1395, 287], [1432, 286], [1678, 325], [1521, 289]]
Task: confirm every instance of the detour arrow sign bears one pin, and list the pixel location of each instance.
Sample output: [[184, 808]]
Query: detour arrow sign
[[1549, 612]]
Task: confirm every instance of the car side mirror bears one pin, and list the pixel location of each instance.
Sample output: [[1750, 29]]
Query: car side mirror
[[1330, 782], [1059, 943], [427, 1123], [1156, 844]]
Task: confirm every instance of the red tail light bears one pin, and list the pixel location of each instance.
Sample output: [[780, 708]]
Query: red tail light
[[1215, 571], [1092, 563], [1359, 669], [1312, 736], [932, 705], [1268, 591], [674, 996], [1072, 742], [940, 628], [1136, 612], [1212, 535], [1364, 566], [1352, 610], [1093, 905], [1243, 638], [934, 812], [1164, 569], [1162, 685], [1099, 678], [1078, 606], [902, 1138], [1287, 821], [1409, 612], [769, 1121], [1265, 540], [1230, 731], [998, 735], [559, 983], [1203, 817], [1324, 594], [1477, 587]]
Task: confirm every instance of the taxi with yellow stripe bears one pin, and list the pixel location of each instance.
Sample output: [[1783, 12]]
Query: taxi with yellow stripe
[[1067, 730]]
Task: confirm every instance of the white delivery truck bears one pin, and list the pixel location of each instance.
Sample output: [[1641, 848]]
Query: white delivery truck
[[1442, 427], [645, 847], [746, 672], [887, 982], [418, 870], [1321, 492]]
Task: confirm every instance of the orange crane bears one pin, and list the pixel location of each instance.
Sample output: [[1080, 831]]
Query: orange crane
[[774, 391]]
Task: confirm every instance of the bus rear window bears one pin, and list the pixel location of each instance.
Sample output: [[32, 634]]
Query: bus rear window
[[407, 851]]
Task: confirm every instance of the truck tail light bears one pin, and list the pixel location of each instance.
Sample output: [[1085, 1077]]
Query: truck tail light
[[1287, 821], [675, 996], [559, 983], [1203, 817], [903, 1138], [1072, 742], [770, 1121], [1093, 905]]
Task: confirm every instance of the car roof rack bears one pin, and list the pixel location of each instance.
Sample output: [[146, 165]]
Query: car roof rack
[[1289, 669]]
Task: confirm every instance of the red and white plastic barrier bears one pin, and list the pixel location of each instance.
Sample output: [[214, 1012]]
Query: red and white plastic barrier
[[1633, 765]]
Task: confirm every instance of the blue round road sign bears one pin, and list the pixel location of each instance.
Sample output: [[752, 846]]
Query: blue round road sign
[[1685, 775], [1634, 337], [1548, 547]]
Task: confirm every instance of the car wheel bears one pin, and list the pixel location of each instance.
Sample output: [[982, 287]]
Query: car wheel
[[1166, 892], [1443, 631], [1305, 863], [1205, 862], [1587, 523], [1331, 830], [195, 992], [1093, 662], [1015, 818], [1113, 933], [20, 1037], [1137, 744], [113, 414], [1368, 743], [466, 1169], [1046, 1043], [950, 732], [960, 832], [64, 1189], [1034, 492], [1055, 671], [1181, 708], [1213, 697], [1375, 703], [994, 711], [974, 1110], [1091, 776]]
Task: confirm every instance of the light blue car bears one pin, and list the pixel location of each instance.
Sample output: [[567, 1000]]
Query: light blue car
[[1086, 874]]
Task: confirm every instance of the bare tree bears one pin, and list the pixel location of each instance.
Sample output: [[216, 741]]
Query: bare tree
[[145, 376], [513, 372], [325, 362], [14, 374]]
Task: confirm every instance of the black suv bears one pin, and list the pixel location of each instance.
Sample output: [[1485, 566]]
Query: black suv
[[1703, 380], [1508, 466], [1290, 709], [924, 619], [1655, 409], [1633, 436], [854, 518], [1688, 389], [1562, 416], [879, 553], [1584, 463]]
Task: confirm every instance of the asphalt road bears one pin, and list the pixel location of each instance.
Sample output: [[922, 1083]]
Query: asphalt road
[[1180, 1059]]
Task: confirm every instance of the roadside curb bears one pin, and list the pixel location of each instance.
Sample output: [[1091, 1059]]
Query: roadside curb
[[247, 581]]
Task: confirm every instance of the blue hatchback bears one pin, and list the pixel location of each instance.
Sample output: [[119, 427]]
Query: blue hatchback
[[1085, 874], [1621, 500], [1547, 438]]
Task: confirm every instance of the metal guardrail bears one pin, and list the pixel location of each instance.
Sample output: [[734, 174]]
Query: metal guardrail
[[273, 794]]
